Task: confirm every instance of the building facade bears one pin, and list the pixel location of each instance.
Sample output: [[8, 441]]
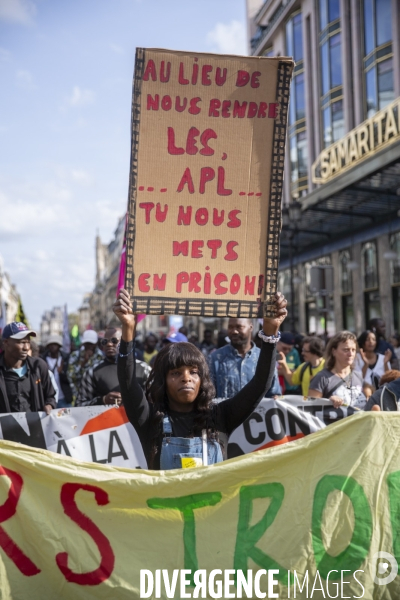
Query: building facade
[[341, 204], [108, 258], [96, 309], [51, 323], [8, 297]]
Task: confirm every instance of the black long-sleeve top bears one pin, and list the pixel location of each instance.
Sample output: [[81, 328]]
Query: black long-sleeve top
[[225, 416]]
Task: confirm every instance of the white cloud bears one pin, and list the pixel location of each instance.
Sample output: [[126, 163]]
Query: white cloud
[[80, 176], [228, 38], [31, 210], [24, 79], [116, 48], [17, 11], [81, 97], [47, 233], [67, 175], [5, 55]]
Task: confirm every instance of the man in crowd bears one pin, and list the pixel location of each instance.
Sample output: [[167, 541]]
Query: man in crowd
[[89, 355], [378, 326], [100, 384], [150, 351], [25, 384], [207, 345], [312, 352], [176, 336], [233, 366], [57, 362], [286, 347]]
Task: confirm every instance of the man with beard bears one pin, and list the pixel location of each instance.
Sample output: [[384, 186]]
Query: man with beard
[[100, 384], [25, 384], [234, 365]]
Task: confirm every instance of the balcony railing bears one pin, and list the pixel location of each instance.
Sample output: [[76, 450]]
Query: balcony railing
[[262, 8]]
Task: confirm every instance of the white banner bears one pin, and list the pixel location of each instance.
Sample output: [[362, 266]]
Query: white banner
[[104, 435], [100, 434], [279, 421]]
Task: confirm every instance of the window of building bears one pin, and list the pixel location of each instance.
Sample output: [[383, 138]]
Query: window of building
[[378, 55], [369, 263], [319, 309], [329, 10], [345, 273], [297, 113], [284, 280], [394, 241], [346, 289], [369, 266], [331, 100]]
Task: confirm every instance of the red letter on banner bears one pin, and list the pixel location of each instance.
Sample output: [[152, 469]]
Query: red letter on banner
[[8, 510], [106, 567]]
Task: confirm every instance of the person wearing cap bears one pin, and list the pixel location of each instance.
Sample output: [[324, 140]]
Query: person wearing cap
[[25, 385], [207, 345], [57, 361], [100, 383], [150, 350], [88, 356], [286, 347], [174, 338]]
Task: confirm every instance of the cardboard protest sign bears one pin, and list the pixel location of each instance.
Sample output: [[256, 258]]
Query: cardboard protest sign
[[97, 434], [316, 511], [276, 422], [207, 156]]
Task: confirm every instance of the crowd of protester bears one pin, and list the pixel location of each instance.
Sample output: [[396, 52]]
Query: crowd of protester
[[360, 372]]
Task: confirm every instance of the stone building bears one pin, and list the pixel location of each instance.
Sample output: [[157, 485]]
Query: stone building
[[107, 268], [342, 166], [84, 314], [8, 297], [51, 323], [96, 309]]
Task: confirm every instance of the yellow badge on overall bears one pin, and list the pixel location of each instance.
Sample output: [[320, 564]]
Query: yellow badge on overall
[[189, 462]]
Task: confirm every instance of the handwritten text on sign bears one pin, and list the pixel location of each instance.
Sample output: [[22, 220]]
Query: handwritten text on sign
[[204, 153]]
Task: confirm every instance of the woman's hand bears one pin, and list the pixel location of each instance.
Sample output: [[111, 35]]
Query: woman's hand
[[278, 305], [387, 356], [336, 401], [281, 360], [123, 310], [283, 368]]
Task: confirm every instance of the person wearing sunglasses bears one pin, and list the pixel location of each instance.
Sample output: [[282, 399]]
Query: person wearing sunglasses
[[100, 384]]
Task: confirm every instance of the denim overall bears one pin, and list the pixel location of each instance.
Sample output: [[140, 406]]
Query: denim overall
[[183, 453]]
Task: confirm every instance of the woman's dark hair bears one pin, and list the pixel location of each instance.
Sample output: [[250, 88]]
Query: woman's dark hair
[[174, 356], [316, 345], [363, 338]]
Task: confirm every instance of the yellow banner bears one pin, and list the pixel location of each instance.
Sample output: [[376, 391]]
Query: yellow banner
[[311, 514]]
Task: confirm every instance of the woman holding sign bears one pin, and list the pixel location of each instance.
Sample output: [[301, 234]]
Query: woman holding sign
[[176, 419]]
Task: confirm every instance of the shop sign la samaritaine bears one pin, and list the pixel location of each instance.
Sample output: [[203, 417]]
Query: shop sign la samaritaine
[[374, 134]]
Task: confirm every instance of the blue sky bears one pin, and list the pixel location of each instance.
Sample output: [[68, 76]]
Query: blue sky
[[66, 70]]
